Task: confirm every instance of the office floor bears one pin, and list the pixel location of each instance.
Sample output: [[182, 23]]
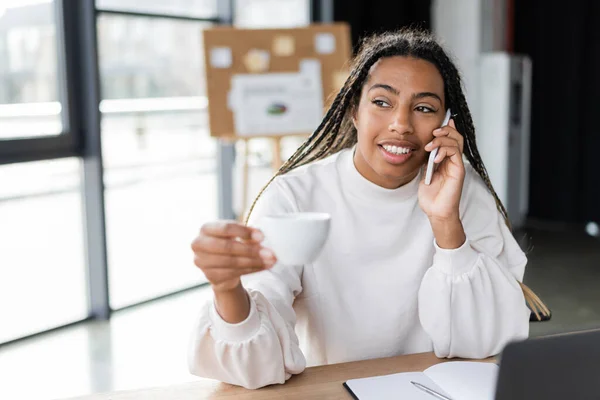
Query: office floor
[[146, 346], [564, 270]]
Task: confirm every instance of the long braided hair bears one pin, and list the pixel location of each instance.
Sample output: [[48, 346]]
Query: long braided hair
[[336, 132]]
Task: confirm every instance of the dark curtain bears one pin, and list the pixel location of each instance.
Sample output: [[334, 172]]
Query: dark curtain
[[372, 16], [563, 40]]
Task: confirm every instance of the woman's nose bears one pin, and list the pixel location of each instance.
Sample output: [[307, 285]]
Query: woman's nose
[[401, 123]]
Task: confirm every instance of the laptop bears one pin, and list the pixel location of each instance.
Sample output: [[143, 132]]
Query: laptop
[[565, 366]]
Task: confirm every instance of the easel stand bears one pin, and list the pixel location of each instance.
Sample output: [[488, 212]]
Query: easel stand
[[276, 163]]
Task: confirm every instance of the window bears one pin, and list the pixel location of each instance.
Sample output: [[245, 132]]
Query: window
[[42, 263], [190, 8], [30, 96], [159, 160], [160, 170], [150, 57], [272, 13]]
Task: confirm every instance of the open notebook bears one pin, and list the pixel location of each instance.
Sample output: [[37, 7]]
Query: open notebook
[[458, 380]]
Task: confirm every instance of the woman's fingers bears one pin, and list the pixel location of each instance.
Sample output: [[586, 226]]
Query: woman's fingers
[[230, 229], [450, 131], [447, 151], [227, 261], [226, 250], [443, 141], [219, 245]]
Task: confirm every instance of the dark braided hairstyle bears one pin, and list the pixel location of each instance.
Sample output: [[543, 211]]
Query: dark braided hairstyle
[[336, 132]]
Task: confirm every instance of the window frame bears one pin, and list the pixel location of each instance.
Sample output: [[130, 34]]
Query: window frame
[[67, 143]]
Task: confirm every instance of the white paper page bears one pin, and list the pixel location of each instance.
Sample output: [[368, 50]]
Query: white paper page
[[393, 387], [278, 103], [465, 380], [220, 57], [325, 43]]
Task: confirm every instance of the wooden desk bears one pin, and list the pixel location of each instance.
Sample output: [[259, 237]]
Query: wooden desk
[[324, 382]]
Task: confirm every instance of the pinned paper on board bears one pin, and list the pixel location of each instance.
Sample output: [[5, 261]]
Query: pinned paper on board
[[257, 60], [284, 45], [220, 57], [278, 103], [325, 43]]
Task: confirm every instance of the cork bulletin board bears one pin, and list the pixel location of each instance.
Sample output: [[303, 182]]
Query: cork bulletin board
[[286, 74]]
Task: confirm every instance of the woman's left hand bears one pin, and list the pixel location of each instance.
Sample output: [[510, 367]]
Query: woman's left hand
[[440, 199]]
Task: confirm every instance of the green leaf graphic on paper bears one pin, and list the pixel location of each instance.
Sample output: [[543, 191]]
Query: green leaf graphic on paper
[[277, 109]]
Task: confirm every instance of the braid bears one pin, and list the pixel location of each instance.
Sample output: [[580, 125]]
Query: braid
[[464, 124], [336, 132]]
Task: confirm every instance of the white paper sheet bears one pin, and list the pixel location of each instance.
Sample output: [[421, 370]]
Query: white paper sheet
[[466, 380], [278, 103], [220, 57], [393, 387], [325, 43], [458, 380]]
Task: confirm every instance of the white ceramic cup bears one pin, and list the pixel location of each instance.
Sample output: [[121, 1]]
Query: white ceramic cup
[[295, 238]]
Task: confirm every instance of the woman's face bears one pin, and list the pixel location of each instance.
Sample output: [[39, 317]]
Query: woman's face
[[401, 103]]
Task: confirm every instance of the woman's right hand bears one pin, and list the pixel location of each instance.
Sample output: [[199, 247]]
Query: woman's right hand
[[226, 250]]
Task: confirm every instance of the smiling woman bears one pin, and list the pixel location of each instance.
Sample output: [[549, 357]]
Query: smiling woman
[[407, 267]]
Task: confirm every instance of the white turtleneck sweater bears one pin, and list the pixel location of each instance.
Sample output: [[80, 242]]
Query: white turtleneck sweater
[[380, 287]]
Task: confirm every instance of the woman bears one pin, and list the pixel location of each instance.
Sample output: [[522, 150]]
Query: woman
[[407, 268]]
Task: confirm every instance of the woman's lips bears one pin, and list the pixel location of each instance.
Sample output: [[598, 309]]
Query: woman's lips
[[395, 154]]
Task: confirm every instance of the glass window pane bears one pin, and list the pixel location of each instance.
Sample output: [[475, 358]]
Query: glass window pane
[[42, 263], [272, 13], [149, 58], [59, 364], [30, 103], [160, 163], [188, 8]]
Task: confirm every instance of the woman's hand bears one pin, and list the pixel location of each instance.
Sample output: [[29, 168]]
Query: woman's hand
[[440, 200], [226, 250]]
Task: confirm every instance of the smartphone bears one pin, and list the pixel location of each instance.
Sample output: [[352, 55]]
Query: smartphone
[[433, 154]]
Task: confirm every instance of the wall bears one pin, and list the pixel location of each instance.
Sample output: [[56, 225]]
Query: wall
[[468, 28]]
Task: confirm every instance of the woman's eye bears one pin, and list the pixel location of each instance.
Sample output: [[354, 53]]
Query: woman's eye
[[425, 109], [381, 103]]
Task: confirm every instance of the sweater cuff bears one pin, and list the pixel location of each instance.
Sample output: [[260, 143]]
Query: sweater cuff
[[238, 332], [455, 261]]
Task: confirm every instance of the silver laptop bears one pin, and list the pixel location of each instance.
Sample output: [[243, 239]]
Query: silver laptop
[[565, 367]]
